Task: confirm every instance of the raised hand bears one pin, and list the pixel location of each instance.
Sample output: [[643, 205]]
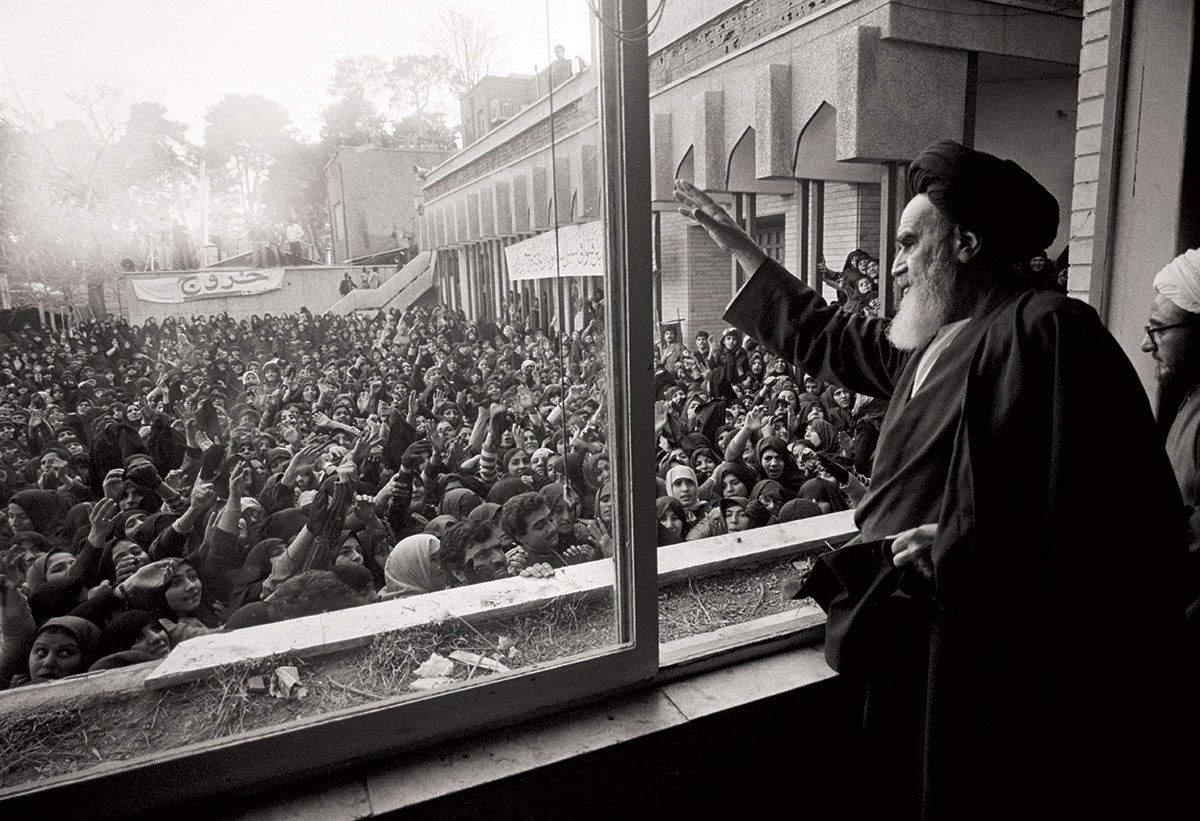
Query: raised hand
[[150, 577], [346, 472], [114, 483], [756, 417], [525, 398], [715, 220], [305, 458], [239, 479], [415, 455], [321, 420], [660, 414], [579, 553], [202, 496], [103, 519]]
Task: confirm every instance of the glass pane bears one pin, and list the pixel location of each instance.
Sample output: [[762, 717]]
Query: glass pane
[[321, 345]]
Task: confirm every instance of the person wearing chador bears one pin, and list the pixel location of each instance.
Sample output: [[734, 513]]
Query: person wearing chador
[[968, 613]]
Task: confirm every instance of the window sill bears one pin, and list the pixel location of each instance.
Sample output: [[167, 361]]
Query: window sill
[[489, 759]]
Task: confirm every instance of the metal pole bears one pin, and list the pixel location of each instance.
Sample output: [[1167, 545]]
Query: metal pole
[[625, 133]]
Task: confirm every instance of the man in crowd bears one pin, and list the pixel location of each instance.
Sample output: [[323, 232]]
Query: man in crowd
[[295, 235], [965, 615], [1173, 341]]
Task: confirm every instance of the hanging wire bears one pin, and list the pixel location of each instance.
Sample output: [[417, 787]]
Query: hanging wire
[[562, 367], [639, 32]]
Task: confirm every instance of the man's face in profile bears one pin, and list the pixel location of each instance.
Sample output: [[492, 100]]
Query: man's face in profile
[[1176, 350]]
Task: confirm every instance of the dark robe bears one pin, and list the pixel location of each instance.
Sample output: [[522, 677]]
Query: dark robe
[[997, 690]]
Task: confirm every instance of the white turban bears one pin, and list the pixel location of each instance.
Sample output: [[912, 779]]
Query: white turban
[[1180, 281]]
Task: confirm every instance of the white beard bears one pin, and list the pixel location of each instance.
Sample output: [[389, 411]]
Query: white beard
[[926, 306]]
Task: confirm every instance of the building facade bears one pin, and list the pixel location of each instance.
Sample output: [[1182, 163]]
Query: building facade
[[374, 195], [801, 117]]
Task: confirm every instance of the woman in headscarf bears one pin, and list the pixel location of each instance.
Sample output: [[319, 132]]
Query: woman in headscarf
[[459, 503], [682, 486], [729, 365], [42, 511], [132, 637], [32, 654], [732, 479], [412, 568], [821, 436], [670, 514]]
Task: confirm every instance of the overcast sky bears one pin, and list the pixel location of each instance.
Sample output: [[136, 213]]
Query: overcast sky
[[187, 53]]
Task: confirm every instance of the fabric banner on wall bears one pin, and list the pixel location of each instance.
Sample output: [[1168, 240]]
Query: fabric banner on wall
[[208, 285], [580, 253]]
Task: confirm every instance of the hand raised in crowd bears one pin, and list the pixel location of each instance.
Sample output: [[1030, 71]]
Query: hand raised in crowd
[[525, 398], [437, 442], [578, 553], [203, 496], [304, 459], [239, 480], [321, 420], [415, 456], [12, 600], [660, 414], [103, 519], [143, 472], [347, 473], [148, 578], [114, 483], [600, 537], [756, 418]]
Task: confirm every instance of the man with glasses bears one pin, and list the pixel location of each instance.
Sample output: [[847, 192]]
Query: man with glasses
[[1173, 342]]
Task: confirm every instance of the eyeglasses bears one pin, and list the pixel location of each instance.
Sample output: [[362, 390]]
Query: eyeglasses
[[1151, 330]]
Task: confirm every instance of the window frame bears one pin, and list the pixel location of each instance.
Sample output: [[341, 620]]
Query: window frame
[[250, 762]]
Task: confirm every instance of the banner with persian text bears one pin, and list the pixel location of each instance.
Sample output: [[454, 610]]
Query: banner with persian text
[[208, 285], [579, 253]]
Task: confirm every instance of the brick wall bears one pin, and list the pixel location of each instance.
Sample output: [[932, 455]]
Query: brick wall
[[696, 281], [1093, 64], [851, 220]]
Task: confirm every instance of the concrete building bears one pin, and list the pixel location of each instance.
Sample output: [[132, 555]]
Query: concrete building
[[492, 101], [373, 195], [801, 117]]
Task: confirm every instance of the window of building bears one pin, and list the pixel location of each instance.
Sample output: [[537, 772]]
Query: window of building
[[622, 597], [769, 233]]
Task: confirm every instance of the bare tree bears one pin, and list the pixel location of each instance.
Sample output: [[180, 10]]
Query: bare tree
[[467, 41]]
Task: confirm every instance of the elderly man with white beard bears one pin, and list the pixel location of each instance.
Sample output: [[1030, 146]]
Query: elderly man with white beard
[[975, 616]]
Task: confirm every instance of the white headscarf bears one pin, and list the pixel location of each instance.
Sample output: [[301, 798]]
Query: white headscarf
[[409, 567], [1179, 281]]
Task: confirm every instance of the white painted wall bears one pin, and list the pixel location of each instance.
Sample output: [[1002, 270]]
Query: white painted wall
[[1033, 123]]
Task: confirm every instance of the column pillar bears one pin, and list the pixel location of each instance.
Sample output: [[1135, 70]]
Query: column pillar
[[889, 216]]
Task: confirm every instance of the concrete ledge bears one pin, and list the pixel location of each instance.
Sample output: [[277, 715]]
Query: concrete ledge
[[344, 629]]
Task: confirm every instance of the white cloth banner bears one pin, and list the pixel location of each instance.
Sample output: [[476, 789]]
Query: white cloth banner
[[210, 284], [580, 254]]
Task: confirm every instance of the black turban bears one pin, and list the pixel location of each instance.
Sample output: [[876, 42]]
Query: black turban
[[995, 198]]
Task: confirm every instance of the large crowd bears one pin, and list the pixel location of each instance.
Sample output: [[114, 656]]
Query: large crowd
[[190, 476]]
